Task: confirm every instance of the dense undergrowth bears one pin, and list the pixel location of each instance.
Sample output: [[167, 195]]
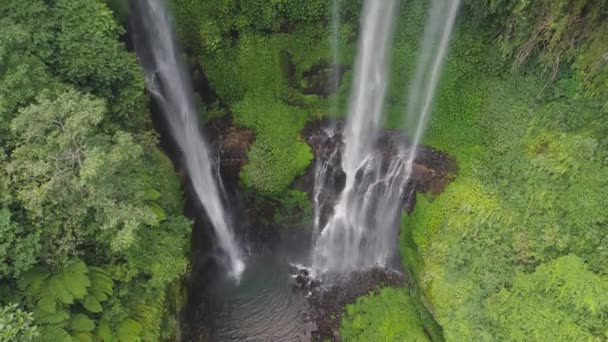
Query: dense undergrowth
[[93, 243], [92, 240], [519, 107], [255, 55]]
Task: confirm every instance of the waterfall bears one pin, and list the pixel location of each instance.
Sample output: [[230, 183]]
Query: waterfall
[[338, 245], [362, 230], [170, 84], [324, 164], [437, 32]]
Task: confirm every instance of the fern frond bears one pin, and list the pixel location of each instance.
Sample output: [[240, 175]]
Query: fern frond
[[92, 304], [75, 277], [104, 332], [56, 318], [151, 195], [158, 211], [47, 304], [56, 289], [82, 337], [129, 330], [31, 281], [52, 333], [82, 323], [101, 284]]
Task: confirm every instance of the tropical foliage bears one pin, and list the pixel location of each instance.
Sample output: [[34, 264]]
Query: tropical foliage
[[93, 242], [91, 231]]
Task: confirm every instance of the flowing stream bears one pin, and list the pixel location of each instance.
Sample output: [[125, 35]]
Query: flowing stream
[[170, 84]]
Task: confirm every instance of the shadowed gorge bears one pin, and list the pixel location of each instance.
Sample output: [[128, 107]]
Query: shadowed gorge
[[303, 170]]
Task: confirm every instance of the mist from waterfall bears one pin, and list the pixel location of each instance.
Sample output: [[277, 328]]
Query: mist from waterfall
[[170, 84], [339, 245], [361, 232]]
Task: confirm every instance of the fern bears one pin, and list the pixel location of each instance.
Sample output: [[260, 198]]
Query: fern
[[57, 290], [151, 195], [149, 317], [53, 294], [31, 282], [92, 304], [101, 284], [129, 330], [47, 304], [82, 337], [104, 332], [52, 333], [82, 323], [76, 280], [51, 318]]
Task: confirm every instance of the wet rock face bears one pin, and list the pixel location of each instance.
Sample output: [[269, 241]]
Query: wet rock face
[[322, 80], [432, 170], [233, 144], [327, 300]]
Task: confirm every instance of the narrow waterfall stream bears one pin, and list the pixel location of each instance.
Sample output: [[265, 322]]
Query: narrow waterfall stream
[[338, 247], [169, 83], [362, 230]]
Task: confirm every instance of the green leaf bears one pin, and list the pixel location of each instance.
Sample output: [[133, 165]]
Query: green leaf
[[101, 284], [151, 195], [129, 330], [52, 318], [92, 304], [158, 211], [32, 281], [104, 332], [75, 277], [52, 333], [83, 337], [47, 304], [81, 322]]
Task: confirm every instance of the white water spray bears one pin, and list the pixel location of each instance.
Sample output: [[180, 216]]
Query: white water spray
[[170, 84], [362, 231], [338, 246]]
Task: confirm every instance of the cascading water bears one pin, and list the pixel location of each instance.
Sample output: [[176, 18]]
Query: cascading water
[[362, 230], [338, 247], [437, 33], [324, 163], [169, 83]]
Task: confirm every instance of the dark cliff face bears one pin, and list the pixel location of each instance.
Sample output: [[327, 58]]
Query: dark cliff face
[[432, 170]]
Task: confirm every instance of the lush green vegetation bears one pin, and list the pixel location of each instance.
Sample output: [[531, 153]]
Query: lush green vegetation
[[256, 69], [92, 237], [390, 315], [515, 248]]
